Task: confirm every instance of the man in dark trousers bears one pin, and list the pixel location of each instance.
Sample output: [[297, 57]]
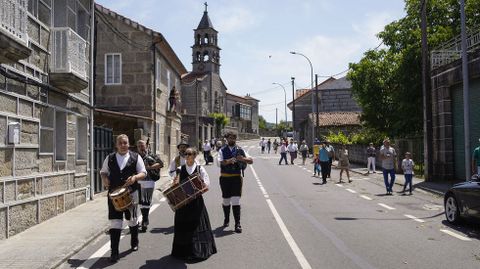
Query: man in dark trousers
[[123, 168], [232, 160]]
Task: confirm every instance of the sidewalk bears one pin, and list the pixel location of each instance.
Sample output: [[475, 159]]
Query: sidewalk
[[52, 242], [438, 188]]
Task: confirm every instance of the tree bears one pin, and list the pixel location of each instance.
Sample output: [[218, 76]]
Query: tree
[[262, 123], [221, 120], [387, 82]]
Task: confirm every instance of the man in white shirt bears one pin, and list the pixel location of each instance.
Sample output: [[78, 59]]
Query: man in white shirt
[[123, 169], [179, 160], [292, 149], [207, 151], [283, 153]]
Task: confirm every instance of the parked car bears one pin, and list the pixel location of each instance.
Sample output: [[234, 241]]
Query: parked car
[[462, 201]]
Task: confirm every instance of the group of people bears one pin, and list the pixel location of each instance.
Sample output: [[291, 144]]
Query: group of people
[[193, 238]]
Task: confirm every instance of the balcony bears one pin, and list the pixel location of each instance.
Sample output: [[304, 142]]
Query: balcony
[[13, 31], [452, 50], [68, 69]]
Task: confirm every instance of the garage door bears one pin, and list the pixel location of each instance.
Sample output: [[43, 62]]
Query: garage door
[[458, 131]]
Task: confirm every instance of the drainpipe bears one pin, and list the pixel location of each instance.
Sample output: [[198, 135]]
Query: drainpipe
[[92, 103]]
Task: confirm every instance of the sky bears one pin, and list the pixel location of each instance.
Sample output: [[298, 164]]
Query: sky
[[256, 36]]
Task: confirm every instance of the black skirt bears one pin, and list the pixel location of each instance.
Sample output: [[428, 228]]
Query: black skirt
[[193, 237]]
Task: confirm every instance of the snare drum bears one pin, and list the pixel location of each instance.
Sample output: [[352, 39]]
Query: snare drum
[[181, 194], [121, 198]]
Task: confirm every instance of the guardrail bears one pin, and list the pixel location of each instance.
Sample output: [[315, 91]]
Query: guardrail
[[452, 50], [13, 19], [68, 52]]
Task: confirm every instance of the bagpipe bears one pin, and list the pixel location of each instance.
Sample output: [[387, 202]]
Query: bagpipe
[[149, 159]]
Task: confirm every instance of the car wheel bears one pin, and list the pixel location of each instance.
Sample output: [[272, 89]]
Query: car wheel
[[452, 212]]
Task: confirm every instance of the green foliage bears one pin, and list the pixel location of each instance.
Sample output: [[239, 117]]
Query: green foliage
[[362, 137], [220, 119], [282, 126], [339, 138], [262, 123], [387, 82]]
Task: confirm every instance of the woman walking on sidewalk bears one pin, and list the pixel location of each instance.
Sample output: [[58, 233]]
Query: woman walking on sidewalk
[[283, 153], [343, 163], [407, 167], [304, 151]]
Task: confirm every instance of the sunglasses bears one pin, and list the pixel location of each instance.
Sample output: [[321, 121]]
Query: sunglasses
[[189, 154]]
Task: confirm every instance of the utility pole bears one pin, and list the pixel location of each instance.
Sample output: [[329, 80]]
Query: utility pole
[[466, 92], [317, 101], [276, 118], [293, 112], [427, 100]]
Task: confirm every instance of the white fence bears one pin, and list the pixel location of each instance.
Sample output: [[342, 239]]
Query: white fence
[[68, 53], [452, 50], [13, 19]]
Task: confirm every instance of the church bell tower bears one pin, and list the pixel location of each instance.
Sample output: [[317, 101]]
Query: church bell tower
[[205, 51]]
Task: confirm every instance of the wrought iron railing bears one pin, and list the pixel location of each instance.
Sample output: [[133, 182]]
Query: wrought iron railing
[[452, 50], [13, 19], [68, 52]]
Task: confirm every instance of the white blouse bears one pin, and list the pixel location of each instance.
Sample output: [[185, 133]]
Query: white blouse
[[203, 172]]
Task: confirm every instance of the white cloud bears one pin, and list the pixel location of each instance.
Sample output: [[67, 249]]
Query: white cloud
[[371, 26], [233, 19]]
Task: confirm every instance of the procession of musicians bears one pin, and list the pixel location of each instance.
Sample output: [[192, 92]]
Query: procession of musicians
[[130, 176]]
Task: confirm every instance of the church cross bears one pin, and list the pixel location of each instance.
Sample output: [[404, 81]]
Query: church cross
[[206, 6]]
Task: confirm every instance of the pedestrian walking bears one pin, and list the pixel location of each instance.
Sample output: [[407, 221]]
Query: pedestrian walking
[[193, 238], [371, 155], [232, 160], [269, 145], [316, 165], [121, 170], [275, 145], [207, 148], [388, 157], [476, 161], [153, 164], [292, 148], [263, 144], [331, 156], [304, 151], [283, 153], [212, 143], [407, 167], [344, 163], [324, 162]]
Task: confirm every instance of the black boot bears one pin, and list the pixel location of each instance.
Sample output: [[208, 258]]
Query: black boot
[[134, 237], [145, 221], [226, 214], [236, 216], [114, 242]]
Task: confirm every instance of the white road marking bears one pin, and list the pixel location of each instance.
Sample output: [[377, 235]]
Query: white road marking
[[366, 197], [461, 237], [291, 242], [105, 248], [310, 171], [365, 178], [414, 218], [339, 185], [350, 190], [386, 206]]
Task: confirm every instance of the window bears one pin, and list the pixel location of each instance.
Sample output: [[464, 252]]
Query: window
[[82, 138], [61, 136], [169, 86], [113, 69], [245, 112], [158, 75], [46, 129], [42, 10]]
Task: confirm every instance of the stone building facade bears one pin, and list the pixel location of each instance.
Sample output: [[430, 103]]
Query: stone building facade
[[203, 90], [243, 113], [334, 98], [447, 110], [45, 110], [136, 70]]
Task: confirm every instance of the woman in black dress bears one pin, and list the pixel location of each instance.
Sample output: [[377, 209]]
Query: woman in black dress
[[193, 237]]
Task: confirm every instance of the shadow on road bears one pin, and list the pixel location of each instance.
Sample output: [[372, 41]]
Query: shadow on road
[[220, 232], [168, 230], [470, 230], [164, 262], [103, 262]]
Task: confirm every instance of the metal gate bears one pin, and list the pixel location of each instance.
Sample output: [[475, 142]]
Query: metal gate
[[103, 145]]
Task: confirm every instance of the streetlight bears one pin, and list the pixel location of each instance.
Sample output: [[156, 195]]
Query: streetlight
[[311, 85], [285, 91]]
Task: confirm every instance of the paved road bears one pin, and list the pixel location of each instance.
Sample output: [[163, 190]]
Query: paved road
[[291, 221]]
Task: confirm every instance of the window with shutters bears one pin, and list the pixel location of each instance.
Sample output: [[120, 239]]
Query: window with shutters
[[113, 69]]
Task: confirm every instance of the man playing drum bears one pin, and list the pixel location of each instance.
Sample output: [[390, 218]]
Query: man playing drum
[[232, 160], [123, 168], [179, 160], [152, 165]]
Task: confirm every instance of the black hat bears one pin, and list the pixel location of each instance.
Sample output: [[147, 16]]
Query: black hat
[[183, 142]]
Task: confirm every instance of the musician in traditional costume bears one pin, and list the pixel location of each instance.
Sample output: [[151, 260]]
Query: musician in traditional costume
[[153, 164], [193, 237], [232, 160], [123, 168], [179, 160]]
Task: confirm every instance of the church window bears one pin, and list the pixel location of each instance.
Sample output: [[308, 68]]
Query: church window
[[206, 57], [206, 40], [197, 40], [199, 56]]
